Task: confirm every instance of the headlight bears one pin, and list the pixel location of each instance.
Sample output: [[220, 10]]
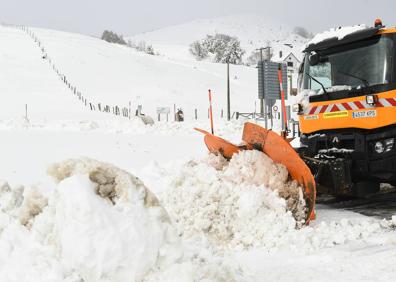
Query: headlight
[[297, 108], [379, 147], [389, 144], [371, 99], [384, 146]]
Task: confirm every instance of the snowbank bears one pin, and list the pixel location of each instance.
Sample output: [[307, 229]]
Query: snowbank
[[100, 224]]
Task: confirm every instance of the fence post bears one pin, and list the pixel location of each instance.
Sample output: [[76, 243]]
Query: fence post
[[196, 114]]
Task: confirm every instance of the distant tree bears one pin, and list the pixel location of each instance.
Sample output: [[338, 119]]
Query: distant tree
[[223, 47], [255, 56], [198, 50], [113, 37], [302, 32], [150, 50], [131, 44], [142, 46]]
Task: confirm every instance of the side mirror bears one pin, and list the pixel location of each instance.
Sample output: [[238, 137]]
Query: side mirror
[[313, 58]]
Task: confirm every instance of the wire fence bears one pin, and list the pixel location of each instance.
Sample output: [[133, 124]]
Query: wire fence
[[73, 89]]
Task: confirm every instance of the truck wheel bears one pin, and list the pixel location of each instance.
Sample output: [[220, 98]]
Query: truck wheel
[[363, 189]]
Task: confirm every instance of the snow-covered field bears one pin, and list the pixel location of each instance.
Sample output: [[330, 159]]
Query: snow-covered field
[[155, 206]]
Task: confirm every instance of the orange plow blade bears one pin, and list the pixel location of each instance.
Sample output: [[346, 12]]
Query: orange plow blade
[[280, 151], [218, 145], [277, 148]]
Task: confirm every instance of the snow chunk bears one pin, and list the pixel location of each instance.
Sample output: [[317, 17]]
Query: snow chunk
[[338, 33], [108, 224], [33, 204], [112, 183]]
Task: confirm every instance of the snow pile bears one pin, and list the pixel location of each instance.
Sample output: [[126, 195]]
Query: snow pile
[[234, 204], [338, 33], [237, 205], [100, 224]]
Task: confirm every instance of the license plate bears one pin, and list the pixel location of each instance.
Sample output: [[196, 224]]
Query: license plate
[[365, 114]]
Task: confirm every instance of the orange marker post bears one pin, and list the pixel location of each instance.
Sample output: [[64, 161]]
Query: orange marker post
[[282, 99], [210, 111]]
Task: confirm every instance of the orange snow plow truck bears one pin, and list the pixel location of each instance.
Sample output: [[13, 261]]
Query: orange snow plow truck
[[347, 116]]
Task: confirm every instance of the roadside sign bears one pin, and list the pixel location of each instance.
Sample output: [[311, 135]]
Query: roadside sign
[[275, 108], [163, 110], [268, 83]]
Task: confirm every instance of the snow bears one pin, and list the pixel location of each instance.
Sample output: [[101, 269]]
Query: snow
[[335, 88], [235, 204], [155, 207], [336, 150], [227, 221], [339, 33], [253, 30], [100, 223], [117, 75]]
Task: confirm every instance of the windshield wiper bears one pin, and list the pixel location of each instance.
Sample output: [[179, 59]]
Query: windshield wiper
[[317, 81], [365, 81]]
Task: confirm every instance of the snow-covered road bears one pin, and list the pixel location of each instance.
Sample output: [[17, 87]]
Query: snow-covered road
[[27, 153]]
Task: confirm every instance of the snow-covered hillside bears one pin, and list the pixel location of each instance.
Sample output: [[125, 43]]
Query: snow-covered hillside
[[25, 78], [253, 30], [112, 74]]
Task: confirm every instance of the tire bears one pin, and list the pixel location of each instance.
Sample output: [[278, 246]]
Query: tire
[[364, 189]]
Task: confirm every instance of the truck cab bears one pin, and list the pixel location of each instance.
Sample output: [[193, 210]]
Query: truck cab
[[347, 113]]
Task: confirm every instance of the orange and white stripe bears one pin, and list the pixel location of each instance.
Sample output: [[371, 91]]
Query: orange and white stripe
[[351, 106]]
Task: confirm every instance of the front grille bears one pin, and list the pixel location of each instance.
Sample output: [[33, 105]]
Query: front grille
[[341, 144]]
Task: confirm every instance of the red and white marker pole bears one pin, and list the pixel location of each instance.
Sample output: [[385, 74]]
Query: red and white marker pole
[[210, 111], [282, 98]]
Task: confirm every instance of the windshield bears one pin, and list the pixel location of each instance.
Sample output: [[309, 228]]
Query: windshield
[[356, 65]]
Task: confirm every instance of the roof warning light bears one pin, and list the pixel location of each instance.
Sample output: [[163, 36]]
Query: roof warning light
[[378, 23]]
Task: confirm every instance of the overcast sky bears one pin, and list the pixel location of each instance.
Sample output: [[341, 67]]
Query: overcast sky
[[130, 16]]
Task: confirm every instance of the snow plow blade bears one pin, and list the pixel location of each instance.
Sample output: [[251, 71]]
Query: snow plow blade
[[277, 148], [218, 145], [280, 151]]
